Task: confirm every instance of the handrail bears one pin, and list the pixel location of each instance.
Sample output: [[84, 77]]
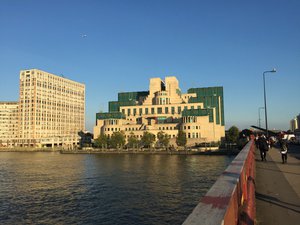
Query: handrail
[[231, 200]]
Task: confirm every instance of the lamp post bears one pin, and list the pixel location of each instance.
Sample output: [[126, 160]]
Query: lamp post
[[266, 117], [259, 115]]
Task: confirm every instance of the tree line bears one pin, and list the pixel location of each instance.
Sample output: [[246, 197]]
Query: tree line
[[118, 140]]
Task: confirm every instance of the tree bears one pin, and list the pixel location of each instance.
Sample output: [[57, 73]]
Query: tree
[[132, 141], [101, 141], [181, 138], [117, 139], [233, 134], [147, 139], [163, 139]]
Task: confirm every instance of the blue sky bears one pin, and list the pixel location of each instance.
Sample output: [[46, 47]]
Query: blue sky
[[202, 43]]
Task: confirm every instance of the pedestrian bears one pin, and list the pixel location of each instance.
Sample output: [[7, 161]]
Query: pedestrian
[[256, 141], [271, 141], [283, 148], [263, 147]]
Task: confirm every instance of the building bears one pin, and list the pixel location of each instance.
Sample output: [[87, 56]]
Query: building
[[51, 110], [294, 124], [199, 112], [9, 116]]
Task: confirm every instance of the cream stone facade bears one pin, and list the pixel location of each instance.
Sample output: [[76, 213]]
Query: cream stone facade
[[51, 111], [294, 124], [9, 116], [199, 113]]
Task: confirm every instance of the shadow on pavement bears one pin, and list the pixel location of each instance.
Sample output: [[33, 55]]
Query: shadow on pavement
[[279, 171], [276, 201]]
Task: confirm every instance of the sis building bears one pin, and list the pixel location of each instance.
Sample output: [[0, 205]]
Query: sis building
[[199, 113]]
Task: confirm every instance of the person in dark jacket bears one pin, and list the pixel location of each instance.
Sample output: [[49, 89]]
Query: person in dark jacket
[[263, 147]]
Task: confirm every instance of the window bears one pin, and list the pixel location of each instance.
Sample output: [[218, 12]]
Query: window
[[141, 111], [179, 109], [173, 110], [134, 112], [166, 110], [152, 110], [128, 112], [159, 110], [146, 110]]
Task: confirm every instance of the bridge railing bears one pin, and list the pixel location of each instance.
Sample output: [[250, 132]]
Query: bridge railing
[[231, 200]]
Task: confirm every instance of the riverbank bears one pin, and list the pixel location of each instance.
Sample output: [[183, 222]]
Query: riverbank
[[159, 152], [131, 151], [30, 149]]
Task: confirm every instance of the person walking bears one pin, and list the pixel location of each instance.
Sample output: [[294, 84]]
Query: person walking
[[283, 148], [263, 147]]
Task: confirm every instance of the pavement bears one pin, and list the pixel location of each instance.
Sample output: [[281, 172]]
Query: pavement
[[278, 188]]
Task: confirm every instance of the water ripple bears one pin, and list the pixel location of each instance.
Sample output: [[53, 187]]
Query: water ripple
[[49, 188]]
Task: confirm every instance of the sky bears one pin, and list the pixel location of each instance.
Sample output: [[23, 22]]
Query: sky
[[117, 46]]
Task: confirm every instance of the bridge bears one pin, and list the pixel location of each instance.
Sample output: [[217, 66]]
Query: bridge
[[251, 191]]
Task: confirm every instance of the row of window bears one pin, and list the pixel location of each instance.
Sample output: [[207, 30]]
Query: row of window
[[189, 127], [52, 78], [156, 110], [138, 128], [38, 121], [188, 135], [167, 128]]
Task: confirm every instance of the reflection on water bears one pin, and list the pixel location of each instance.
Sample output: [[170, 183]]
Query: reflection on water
[[50, 188]]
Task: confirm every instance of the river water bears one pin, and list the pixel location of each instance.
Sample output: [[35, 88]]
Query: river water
[[53, 188]]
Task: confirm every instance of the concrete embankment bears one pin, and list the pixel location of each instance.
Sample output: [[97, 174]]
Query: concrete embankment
[[160, 152], [30, 149], [206, 151]]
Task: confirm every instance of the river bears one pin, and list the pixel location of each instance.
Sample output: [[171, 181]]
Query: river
[[52, 188]]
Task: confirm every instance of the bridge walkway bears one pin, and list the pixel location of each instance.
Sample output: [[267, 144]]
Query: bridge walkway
[[278, 188]]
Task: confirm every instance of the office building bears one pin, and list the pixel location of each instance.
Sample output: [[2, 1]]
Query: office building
[[9, 116], [199, 113], [294, 124], [51, 110]]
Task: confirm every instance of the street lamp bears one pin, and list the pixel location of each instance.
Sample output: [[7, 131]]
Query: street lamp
[[266, 119], [259, 115]]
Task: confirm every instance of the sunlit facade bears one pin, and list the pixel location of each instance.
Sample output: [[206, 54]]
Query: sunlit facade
[[51, 110], [199, 112], [9, 116], [295, 123]]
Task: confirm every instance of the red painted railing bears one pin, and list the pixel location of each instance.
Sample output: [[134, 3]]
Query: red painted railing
[[231, 200]]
